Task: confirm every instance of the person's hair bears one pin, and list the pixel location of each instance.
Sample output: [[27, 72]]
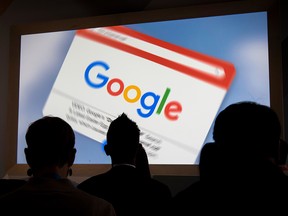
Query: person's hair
[[50, 140], [123, 138], [250, 127]]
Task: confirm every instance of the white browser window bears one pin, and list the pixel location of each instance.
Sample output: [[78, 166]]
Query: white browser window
[[172, 93]]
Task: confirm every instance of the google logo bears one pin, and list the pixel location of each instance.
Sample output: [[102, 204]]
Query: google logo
[[172, 109]]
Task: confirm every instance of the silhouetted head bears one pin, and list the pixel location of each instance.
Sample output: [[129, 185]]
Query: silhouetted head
[[248, 128], [122, 140], [50, 143]]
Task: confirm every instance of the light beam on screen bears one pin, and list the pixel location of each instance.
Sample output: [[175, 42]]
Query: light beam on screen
[[252, 58], [41, 56]]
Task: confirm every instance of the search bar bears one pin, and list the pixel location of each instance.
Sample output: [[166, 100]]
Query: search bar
[[164, 53]]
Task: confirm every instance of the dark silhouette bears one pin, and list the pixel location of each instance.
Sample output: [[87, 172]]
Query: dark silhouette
[[240, 171], [8, 185], [130, 192], [199, 197], [50, 154], [142, 162]]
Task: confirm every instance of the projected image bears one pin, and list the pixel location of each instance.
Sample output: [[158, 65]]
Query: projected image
[[171, 77]]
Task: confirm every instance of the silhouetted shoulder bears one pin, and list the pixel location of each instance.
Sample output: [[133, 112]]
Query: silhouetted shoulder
[[8, 185], [161, 187]]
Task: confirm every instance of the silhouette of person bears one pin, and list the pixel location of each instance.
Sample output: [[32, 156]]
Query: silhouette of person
[[142, 162], [8, 185], [50, 154], [244, 175], [130, 192], [198, 198], [248, 136]]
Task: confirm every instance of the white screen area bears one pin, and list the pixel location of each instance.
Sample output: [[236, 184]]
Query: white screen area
[[171, 77]]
